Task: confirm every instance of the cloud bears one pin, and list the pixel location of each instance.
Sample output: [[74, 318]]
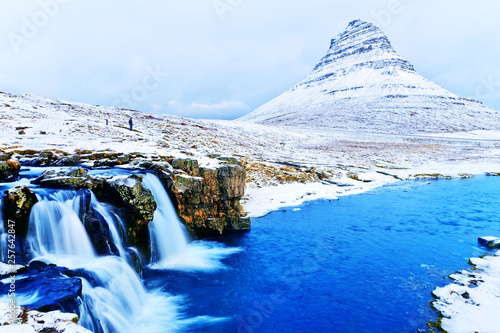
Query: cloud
[[221, 110], [95, 51]]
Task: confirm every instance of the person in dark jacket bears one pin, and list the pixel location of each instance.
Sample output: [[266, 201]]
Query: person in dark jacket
[[131, 123]]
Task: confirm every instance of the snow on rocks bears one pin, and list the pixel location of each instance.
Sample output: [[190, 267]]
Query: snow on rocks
[[472, 302], [34, 321], [261, 200], [8, 269], [489, 241]]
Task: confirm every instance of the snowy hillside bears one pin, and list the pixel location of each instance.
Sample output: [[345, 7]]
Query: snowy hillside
[[363, 84], [285, 166]]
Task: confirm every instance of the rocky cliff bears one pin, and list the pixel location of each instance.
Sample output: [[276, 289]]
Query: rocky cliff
[[208, 199]]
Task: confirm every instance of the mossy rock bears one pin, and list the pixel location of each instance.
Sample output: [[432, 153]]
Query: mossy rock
[[9, 170], [17, 207], [189, 165], [65, 182], [229, 160], [74, 178], [5, 157]]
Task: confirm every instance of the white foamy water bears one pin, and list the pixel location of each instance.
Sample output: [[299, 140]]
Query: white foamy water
[[114, 297], [171, 246]]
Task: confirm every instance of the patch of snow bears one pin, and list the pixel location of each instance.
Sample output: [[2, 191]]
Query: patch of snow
[[55, 321], [263, 200], [472, 303], [8, 269]]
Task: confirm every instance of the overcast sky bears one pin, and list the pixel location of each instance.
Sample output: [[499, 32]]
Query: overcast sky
[[224, 58]]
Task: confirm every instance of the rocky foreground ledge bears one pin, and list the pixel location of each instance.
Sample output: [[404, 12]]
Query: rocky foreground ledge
[[207, 199]]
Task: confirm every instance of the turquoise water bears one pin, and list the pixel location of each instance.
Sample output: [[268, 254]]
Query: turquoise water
[[364, 263]]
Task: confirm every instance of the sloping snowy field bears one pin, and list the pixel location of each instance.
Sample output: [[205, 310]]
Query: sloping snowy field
[[285, 166]]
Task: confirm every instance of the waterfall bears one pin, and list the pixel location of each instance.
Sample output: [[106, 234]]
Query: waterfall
[[112, 220], [55, 229], [171, 247], [114, 298], [168, 236]]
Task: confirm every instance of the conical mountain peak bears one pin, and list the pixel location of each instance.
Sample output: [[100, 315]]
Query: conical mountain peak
[[361, 43], [363, 84], [361, 35]]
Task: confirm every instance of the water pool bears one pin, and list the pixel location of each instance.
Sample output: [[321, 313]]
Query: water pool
[[365, 263]]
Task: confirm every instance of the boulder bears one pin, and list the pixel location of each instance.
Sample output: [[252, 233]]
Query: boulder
[[137, 204], [189, 165], [65, 182], [73, 172], [74, 178], [44, 158], [130, 192], [17, 207], [99, 233], [71, 160], [5, 157], [111, 160], [489, 241], [9, 170], [229, 160]]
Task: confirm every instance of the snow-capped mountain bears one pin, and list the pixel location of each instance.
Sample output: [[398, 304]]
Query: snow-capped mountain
[[363, 84]]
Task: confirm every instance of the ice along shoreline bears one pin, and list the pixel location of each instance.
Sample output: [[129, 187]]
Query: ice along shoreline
[[260, 201]]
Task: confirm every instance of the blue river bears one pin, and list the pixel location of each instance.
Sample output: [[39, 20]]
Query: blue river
[[364, 263]]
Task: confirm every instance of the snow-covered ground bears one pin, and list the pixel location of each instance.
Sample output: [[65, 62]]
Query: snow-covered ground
[[472, 303], [285, 166]]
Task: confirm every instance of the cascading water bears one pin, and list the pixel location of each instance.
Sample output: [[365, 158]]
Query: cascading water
[[169, 238], [55, 228], [114, 297], [171, 247], [113, 221]]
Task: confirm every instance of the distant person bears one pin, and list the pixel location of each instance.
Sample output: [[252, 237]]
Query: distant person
[[107, 119], [131, 123]]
